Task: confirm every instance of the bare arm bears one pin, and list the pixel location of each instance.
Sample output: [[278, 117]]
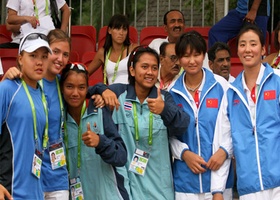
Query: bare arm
[[13, 28], [269, 58], [65, 17], [97, 61], [252, 14], [14, 19]]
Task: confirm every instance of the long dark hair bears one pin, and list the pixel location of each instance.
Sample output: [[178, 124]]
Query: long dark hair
[[117, 21]]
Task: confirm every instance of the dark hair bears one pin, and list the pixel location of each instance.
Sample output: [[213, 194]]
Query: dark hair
[[70, 67], [58, 35], [190, 39], [117, 21], [165, 15], [218, 46], [134, 57], [251, 27], [162, 48], [276, 33]]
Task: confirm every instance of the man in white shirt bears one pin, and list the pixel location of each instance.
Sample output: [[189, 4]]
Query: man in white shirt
[[219, 60], [174, 25]]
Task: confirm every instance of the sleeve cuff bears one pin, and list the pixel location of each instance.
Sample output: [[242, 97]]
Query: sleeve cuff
[[225, 151], [217, 192], [185, 149]]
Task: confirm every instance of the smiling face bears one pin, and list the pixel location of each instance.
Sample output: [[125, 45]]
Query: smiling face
[[59, 58], [74, 89], [33, 65], [175, 25], [221, 64], [250, 49], [145, 71]]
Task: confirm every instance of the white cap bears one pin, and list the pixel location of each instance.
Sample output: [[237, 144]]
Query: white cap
[[32, 42]]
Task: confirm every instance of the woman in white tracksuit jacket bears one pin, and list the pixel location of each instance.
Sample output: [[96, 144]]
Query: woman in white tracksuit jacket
[[248, 124]]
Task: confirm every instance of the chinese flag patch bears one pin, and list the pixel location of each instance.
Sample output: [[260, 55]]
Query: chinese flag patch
[[212, 103], [269, 95]]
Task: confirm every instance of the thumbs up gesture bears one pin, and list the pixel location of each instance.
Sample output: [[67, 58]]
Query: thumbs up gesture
[[156, 105], [90, 138]]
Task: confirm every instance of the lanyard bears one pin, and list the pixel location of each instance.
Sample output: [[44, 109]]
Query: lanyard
[[36, 8], [79, 139], [136, 129], [60, 101], [45, 137], [116, 66]]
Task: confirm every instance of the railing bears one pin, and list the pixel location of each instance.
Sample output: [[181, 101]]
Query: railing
[[192, 17]]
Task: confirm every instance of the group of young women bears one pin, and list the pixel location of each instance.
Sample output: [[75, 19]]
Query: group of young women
[[53, 141]]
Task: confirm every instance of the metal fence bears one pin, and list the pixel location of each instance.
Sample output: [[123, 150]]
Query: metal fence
[[150, 15]]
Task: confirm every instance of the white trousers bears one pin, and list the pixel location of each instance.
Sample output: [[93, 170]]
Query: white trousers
[[57, 195], [203, 196], [271, 194]]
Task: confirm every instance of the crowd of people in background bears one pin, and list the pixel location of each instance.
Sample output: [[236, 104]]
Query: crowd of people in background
[[168, 122]]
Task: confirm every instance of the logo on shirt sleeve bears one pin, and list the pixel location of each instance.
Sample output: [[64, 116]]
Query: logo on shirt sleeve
[[269, 95], [211, 103]]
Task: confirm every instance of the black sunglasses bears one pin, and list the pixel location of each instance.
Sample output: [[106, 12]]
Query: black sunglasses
[[77, 65]]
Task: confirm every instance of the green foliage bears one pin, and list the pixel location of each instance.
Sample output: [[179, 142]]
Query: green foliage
[[95, 5], [208, 9]]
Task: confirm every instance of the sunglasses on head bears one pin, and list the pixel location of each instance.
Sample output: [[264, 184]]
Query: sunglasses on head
[[135, 51], [78, 66], [34, 36]]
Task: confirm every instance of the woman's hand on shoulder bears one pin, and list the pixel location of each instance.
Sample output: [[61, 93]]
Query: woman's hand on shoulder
[[12, 74], [98, 100], [111, 99]]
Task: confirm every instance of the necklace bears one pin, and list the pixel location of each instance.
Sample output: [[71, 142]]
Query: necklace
[[193, 89]]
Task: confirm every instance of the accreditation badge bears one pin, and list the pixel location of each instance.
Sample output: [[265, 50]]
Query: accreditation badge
[[139, 162], [57, 155], [37, 164], [76, 189]]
